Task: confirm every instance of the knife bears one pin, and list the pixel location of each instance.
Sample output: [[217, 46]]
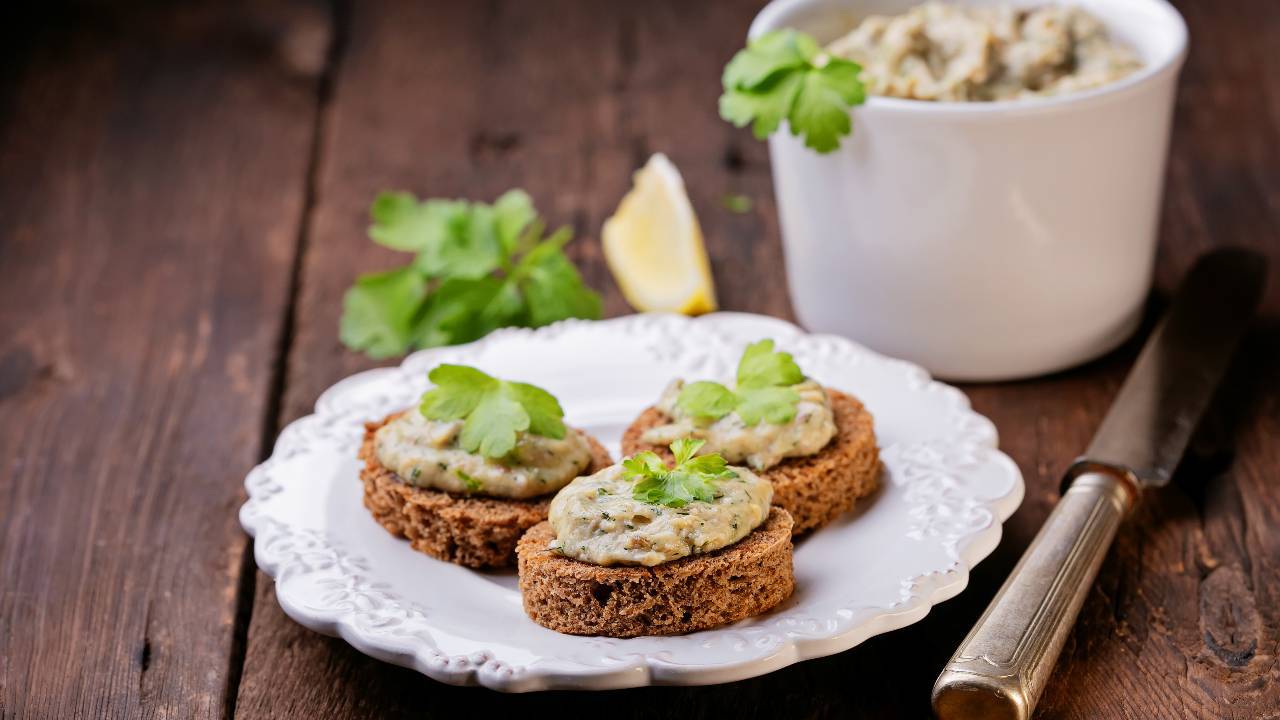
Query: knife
[[1001, 668]]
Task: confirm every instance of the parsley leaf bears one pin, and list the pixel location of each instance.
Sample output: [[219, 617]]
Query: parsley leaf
[[398, 222], [785, 75], [545, 413], [491, 428], [494, 411], [822, 106], [685, 448], [768, 56], [764, 389], [459, 389], [706, 399], [774, 404], [765, 107], [463, 240], [760, 366], [513, 212], [552, 284], [377, 312], [642, 464], [477, 267], [462, 310], [691, 479]]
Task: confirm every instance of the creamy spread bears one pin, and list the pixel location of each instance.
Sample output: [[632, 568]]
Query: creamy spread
[[939, 51], [597, 520], [426, 453], [762, 445]]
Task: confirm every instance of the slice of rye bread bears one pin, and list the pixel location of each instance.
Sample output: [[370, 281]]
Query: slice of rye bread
[[816, 488], [474, 531], [682, 596]]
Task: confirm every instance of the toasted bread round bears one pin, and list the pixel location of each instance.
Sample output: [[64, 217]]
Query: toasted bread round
[[471, 530], [682, 596], [816, 488]]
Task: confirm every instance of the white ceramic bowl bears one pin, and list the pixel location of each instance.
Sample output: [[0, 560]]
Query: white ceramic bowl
[[984, 241]]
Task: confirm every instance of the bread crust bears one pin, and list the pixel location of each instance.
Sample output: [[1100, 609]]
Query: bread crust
[[816, 488], [693, 593], [475, 531]]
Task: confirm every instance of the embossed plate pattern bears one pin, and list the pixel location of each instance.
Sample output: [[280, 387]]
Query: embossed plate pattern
[[946, 490]]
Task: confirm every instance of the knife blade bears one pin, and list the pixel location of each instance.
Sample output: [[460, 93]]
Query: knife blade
[[1002, 666], [1151, 420]]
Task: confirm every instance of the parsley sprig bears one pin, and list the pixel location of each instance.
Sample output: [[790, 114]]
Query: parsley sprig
[[477, 267], [494, 410], [690, 479], [763, 390], [785, 75]]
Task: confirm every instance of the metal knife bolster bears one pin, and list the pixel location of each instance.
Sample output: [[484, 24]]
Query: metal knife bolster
[[1132, 482]]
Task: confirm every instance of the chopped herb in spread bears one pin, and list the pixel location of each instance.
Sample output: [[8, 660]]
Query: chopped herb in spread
[[472, 484]]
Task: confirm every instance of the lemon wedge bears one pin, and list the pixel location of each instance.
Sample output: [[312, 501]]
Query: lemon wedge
[[654, 247]]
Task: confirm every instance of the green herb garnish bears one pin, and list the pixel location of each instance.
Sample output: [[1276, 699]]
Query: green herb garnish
[[494, 410], [736, 203], [690, 479], [763, 391], [472, 484], [785, 75], [477, 267]]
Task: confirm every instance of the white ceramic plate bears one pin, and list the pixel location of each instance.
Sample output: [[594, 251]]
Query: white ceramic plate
[[945, 493]]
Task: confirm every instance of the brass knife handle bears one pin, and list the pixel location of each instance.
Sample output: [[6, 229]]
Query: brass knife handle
[[1001, 668]]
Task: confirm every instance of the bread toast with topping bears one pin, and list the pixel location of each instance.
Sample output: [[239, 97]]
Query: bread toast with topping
[[471, 530], [816, 488]]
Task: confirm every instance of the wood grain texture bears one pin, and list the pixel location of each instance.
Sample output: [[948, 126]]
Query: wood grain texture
[[157, 175], [152, 166], [566, 99]]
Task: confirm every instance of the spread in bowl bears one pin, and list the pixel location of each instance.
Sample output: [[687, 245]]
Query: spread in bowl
[[941, 51]]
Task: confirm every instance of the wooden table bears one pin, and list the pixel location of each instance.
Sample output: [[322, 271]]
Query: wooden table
[[183, 197]]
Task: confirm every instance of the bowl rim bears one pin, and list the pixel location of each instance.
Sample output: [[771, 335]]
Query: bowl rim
[[772, 17]]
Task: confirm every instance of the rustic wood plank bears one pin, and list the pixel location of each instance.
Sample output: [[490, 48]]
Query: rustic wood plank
[[566, 99], [153, 166]]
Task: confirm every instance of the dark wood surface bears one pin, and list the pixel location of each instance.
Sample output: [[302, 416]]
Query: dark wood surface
[[183, 196]]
